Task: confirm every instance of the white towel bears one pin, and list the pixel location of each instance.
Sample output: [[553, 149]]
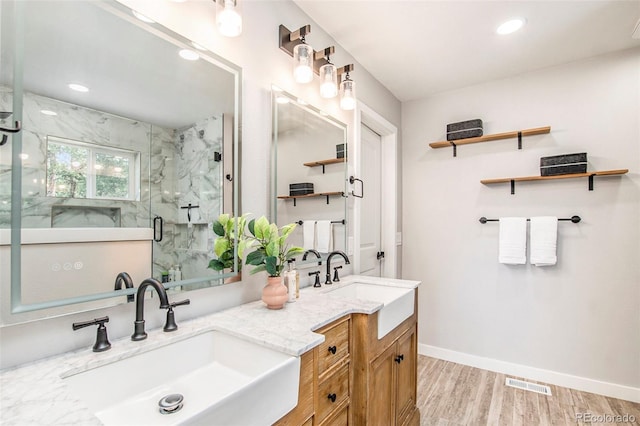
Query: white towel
[[309, 234], [544, 236], [324, 234], [512, 247]]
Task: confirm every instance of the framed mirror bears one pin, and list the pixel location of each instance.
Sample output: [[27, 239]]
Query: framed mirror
[[310, 174], [128, 152]]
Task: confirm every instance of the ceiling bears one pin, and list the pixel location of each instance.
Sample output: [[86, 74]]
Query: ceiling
[[421, 47]]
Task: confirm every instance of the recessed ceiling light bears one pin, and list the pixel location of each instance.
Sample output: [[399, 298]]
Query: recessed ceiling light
[[23, 156], [510, 26], [78, 87], [189, 55], [48, 112], [143, 18]]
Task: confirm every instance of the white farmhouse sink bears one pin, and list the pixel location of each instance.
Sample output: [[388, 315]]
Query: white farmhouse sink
[[398, 302], [224, 380]]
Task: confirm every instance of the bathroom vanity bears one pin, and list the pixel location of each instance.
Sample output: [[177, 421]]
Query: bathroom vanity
[[327, 342]]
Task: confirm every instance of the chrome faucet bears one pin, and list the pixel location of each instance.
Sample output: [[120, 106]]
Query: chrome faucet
[[304, 256], [125, 278], [334, 253], [138, 332]]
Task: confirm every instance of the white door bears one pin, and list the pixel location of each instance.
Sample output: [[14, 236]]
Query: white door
[[370, 211]]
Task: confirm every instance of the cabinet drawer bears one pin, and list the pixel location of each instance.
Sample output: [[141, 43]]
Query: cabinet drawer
[[335, 347], [341, 418], [332, 392]]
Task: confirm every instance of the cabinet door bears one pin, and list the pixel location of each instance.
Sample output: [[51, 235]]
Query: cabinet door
[[381, 403], [406, 364]]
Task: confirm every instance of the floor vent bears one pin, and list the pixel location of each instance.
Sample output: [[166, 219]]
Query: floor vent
[[532, 387]]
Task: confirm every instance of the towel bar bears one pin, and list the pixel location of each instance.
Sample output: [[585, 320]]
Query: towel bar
[[574, 219], [300, 222]]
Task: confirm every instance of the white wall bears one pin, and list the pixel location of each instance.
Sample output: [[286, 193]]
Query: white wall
[[263, 64], [578, 318]]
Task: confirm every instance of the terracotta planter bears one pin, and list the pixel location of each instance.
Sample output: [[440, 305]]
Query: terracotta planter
[[275, 293], [237, 277]]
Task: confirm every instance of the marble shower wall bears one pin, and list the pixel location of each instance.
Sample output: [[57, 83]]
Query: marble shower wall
[[177, 167], [79, 124], [184, 171]]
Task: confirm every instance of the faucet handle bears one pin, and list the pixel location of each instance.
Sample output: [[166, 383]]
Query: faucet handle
[[336, 278], [170, 324], [102, 341], [317, 281]]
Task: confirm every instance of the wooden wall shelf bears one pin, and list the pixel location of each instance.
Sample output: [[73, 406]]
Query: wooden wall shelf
[[319, 194], [494, 137], [324, 162], [589, 175]]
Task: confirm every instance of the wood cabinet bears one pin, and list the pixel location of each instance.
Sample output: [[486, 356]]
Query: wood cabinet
[[325, 380], [354, 378], [385, 372]]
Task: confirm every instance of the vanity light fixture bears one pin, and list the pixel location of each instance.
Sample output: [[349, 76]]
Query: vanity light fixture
[[328, 77], [303, 55], [228, 18], [510, 26], [347, 89]]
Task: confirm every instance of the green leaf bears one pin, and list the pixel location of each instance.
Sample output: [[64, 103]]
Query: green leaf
[[294, 251], [216, 265], [262, 228], [271, 264], [251, 226], [220, 246], [218, 228], [224, 219], [272, 249], [258, 269], [287, 229], [256, 258], [242, 245]]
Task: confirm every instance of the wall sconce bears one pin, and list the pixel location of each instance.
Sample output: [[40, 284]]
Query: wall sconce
[[228, 18], [303, 55], [347, 89], [328, 74]]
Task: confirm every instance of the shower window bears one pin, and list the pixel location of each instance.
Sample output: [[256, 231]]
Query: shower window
[[84, 170]]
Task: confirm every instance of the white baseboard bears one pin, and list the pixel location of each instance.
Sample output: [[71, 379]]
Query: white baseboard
[[552, 377]]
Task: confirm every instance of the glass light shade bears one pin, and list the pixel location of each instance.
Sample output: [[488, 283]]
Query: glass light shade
[[347, 95], [303, 63], [328, 81], [228, 18]]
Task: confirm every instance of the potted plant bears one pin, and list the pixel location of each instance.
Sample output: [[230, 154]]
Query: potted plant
[[231, 234], [271, 254]]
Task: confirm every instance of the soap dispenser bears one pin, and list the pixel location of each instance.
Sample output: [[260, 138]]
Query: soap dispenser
[[290, 281]]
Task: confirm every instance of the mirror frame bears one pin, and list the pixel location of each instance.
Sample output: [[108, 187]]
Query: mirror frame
[[19, 312]]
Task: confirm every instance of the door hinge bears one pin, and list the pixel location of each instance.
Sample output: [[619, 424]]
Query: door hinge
[[380, 255]]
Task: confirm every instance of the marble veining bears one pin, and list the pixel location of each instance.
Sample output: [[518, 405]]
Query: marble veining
[[36, 394]]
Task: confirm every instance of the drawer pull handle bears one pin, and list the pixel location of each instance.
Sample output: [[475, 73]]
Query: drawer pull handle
[[332, 349], [332, 397], [399, 358]]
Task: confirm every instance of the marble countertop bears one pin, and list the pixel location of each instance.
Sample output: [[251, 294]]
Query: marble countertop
[[35, 393]]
